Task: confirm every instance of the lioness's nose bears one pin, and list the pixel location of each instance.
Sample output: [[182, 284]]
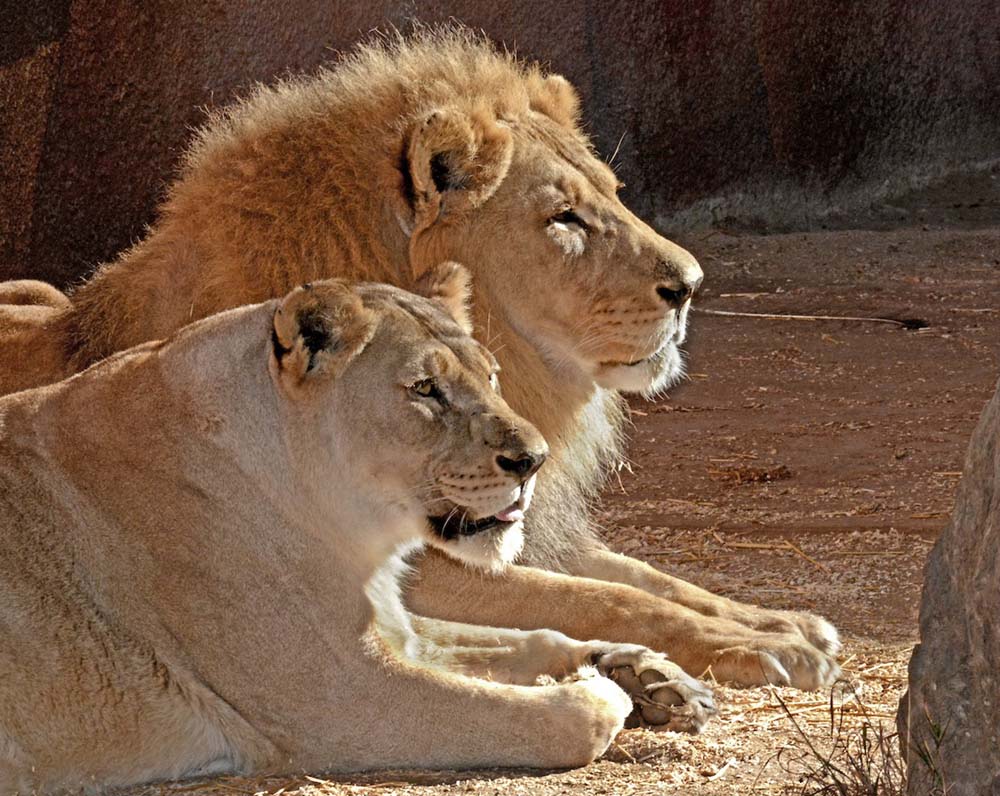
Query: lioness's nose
[[523, 465]]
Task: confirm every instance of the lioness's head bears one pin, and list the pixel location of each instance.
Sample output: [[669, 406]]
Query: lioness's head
[[416, 405], [504, 180]]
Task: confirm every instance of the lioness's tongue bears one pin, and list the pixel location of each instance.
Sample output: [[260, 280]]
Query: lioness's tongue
[[512, 513], [515, 511]]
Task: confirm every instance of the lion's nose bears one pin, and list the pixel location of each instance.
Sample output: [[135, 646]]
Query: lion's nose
[[524, 465], [679, 275], [676, 293]]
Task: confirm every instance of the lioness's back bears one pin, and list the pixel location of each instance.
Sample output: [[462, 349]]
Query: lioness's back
[[73, 679]]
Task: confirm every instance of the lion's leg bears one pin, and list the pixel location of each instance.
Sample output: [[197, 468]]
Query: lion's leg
[[665, 695], [616, 568], [531, 598]]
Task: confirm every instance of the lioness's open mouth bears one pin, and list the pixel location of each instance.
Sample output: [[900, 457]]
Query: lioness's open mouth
[[457, 524]]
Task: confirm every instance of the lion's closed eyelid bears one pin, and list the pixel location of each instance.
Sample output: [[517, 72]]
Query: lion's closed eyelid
[[569, 216]]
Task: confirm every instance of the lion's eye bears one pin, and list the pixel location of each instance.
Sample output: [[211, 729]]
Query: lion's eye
[[568, 217], [428, 388], [494, 382]]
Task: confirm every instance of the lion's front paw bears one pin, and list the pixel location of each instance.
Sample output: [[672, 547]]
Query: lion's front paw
[[776, 659], [664, 695], [814, 629], [820, 633]]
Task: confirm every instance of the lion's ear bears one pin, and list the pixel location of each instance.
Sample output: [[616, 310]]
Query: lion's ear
[[453, 161], [555, 96], [317, 329], [450, 285]]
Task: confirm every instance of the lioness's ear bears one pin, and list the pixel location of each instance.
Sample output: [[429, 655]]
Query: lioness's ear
[[317, 330], [453, 161], [450, 285]]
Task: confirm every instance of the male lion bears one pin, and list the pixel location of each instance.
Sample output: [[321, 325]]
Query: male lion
[[417, 150], [189, 529], [30, 312]]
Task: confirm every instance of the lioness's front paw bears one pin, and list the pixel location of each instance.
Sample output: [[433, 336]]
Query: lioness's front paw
[[590, 733], [774, 659], [665, 696]]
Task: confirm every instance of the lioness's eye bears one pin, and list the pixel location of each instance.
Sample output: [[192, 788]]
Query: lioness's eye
[[428, 388], [567, 217]]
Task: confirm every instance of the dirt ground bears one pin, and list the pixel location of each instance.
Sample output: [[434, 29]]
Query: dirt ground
[[803, 464]]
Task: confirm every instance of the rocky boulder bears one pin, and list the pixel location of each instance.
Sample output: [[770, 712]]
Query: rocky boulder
[[949, 719]]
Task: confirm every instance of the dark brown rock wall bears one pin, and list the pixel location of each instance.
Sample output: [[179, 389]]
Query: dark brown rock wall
[[766, 110]]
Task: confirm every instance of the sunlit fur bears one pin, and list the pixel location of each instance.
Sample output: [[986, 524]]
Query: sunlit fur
[[31, 351], [334, 175], [190, 533], [410, 151]]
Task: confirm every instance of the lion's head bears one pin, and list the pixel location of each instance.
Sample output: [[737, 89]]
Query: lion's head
[[502, 178], [418, 406]]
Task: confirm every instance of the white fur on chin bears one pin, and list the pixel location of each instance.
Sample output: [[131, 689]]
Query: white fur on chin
[[648, 378], [493, 552]]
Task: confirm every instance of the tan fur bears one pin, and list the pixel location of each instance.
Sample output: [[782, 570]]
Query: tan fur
[[188, 532], [414, 151], [30, 340]]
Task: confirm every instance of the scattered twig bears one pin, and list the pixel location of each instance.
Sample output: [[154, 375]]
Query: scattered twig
[[785, 545], [650, 755], [756, 545], [798, 550], [625, 752], [905, 323], [721, 772]]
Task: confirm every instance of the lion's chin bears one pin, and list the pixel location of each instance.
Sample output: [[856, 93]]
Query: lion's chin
[[649, 376], [492, 550]]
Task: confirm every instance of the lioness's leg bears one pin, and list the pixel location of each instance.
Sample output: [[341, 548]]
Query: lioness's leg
[[608, 566], [665, 695], [386, 713], [530, 598]]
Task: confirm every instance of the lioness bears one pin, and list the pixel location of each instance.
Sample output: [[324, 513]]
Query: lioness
[[417, 150], [188, 531]]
